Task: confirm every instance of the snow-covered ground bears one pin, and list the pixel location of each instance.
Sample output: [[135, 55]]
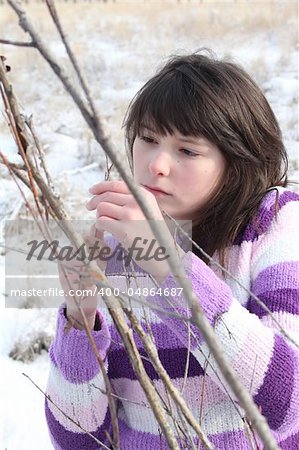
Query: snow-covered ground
[[119, 45]]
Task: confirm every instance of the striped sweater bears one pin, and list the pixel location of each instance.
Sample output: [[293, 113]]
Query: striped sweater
[[265, 260]]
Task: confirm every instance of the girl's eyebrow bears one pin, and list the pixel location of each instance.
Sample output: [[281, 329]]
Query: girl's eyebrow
[[146, 127], [188, 139]]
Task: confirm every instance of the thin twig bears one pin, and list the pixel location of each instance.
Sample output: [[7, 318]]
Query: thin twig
[[187, 360], [14, 170], [15, 165], [64, 414], [83, 83], [174, 392], [123, 399], [130, 345], [38, 146], [112, 406], [17, 43]]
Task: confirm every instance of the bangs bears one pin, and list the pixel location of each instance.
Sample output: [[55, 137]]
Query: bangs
[[165, 104]]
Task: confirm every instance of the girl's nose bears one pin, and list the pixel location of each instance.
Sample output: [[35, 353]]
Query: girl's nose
[[160, 164]]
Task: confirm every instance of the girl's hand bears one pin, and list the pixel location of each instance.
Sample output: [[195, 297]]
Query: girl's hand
[[73, 276], [118, 212]]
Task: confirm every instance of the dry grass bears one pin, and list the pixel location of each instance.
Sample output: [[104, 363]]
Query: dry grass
[[120, 44], [122, 17], [157, 27]]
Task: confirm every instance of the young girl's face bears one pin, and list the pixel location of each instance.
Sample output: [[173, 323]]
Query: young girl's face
[[181, 171]]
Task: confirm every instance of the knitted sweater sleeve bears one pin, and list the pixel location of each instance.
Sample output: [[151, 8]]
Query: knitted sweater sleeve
[[76, 388], [265, 360]]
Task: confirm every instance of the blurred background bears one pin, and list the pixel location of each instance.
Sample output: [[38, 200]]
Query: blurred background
[[119, 45]]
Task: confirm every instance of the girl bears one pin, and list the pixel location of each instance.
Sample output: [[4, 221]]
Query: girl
[[205, 147]]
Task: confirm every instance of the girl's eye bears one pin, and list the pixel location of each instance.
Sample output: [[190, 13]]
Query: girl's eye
[[147, 139], [188, 152]]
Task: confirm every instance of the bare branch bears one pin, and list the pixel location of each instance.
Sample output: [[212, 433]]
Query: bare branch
[[111, 402], [130, 345], [17, 43], [83, 83], [175, 394], [47, 55], [38, 146], [14, 165], [14, 169], [65, 415], [12, 110]]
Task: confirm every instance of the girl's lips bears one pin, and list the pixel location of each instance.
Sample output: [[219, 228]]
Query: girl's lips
[[155, 191]]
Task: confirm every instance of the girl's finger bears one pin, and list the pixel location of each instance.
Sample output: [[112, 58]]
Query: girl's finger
[[109, 210], [111, 197], [94, 235], [111, 186], [97, 234], [113, 226]]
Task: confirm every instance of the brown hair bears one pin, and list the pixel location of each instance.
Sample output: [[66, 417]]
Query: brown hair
[[200, 95]]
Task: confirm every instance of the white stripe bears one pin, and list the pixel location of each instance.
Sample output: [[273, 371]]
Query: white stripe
[[61, 385], [281, 244], [216, 406], [217, 418], [247, 343], [82, 402], [288, 321], [221, 418], [239, 265]]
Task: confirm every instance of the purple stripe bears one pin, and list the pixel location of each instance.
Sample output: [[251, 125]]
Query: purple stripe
[[68, 440], [164, 338], [266, 213], [286, 300], [278, 287], [285, 197], [173, 360], [139, 440], [72, 353], [274, 396], [82, 369], [230, 440], [291, 443], [280, 276]]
